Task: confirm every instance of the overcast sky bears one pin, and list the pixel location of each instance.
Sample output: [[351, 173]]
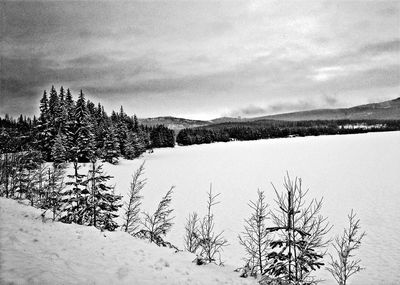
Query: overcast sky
[[199, 59]]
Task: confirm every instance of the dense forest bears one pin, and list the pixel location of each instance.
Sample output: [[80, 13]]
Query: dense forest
[[69, 130], [265, 129]]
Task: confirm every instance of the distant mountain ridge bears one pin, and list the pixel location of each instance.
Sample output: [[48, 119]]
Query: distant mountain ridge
[[387, 110]]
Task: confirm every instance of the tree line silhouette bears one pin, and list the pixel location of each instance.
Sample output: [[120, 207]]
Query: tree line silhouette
[[267, 129]]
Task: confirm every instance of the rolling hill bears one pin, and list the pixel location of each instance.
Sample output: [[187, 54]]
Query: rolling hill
[[387, 110]]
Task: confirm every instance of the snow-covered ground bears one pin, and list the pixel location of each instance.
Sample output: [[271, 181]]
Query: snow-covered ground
[[37, 252], [360, 172]]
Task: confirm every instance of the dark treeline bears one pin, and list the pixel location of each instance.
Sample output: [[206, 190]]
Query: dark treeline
[[266, 129], [69, 130]]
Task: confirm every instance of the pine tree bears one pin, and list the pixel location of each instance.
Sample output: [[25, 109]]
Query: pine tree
[[133, 146], [44, 107], [55, 186], [83, 137], [58, 151], [298, 237], [110, 151], [69, 127], [103, 202], [75, 199], [69, 103], [61, 96], [44, 130], [121, 131], [55, 111], [41, 185], [135, 124]]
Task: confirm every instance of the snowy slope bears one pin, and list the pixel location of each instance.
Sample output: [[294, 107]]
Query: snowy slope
[[36, 252]]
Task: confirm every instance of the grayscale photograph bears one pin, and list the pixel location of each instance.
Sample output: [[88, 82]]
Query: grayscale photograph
[[251, 142]]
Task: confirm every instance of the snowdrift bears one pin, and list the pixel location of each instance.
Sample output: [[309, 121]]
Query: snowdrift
[[34, 250]]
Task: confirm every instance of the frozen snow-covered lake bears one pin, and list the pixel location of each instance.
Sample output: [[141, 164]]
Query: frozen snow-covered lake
[[360, 172]]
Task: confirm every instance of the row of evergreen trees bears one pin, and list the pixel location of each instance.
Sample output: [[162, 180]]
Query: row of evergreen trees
[[84, 199], [69, 130]]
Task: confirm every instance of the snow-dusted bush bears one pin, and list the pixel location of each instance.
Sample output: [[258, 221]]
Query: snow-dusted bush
[[255, 238], [210, 243], [131, 218], [344, 265], [157, 225], [191, 238]]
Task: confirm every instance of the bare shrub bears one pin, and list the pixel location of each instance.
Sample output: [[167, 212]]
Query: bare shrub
[[132, 207], [191, 238], [255, 238], [211, 244], [344, 266]]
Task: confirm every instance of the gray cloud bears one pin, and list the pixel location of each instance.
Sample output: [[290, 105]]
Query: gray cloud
[[277, 107], [183, 53], [382, 47], [250, 110], [331, 100]]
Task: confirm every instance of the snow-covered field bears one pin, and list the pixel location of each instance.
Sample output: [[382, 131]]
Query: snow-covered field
[[36, 252], [360, 172]]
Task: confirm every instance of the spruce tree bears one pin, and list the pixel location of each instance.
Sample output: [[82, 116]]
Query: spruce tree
[[298, 237], [44, 107], [69, 126], [55, 186], [75, 199], [43, 131], [135, 124], [83, 137], [131, 146], [103, 202], [121, 131], [58, 151], [55, 111], [110, 151]]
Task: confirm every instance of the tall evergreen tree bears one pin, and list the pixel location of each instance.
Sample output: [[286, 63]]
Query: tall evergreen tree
[[111, 149], [122, 133], [135, 124], [43, 130], [44, 107], [54, 109], [84, 147], [69, 125], [103, 202], [58, 151], [75, 199]]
